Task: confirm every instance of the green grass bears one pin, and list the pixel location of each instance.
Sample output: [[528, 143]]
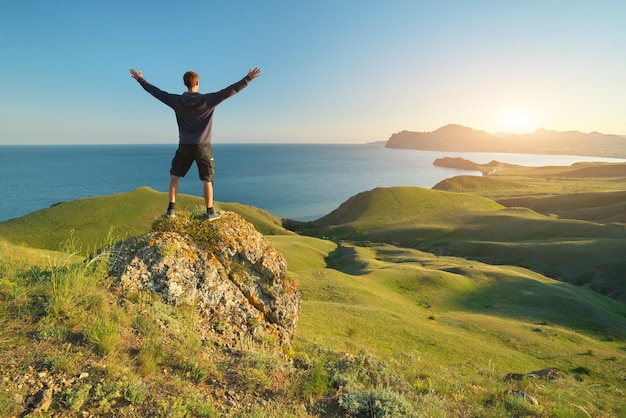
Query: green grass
[[431, 315], [137, 355], [585, 191], [403, 284], [90, 223], [304, 254], [381, 319], [403, 205], [473, 227]]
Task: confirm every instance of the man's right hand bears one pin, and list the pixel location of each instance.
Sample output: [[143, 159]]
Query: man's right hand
[[135, 74], [254, 73]]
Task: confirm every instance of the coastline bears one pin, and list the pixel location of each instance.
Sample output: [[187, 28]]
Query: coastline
[[296, 181]]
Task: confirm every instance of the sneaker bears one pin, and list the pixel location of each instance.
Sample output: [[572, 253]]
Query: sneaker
[[213, 216], [170, 213]]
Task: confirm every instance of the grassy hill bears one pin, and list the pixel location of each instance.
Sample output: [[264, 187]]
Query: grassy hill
[[590, 191], [391, 315], [402, 205], [603, 207], [470, 226], [120, 215]]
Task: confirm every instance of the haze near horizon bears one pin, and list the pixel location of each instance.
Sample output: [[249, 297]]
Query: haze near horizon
[[332, 72]]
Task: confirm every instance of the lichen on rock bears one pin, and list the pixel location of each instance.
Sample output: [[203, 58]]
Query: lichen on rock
[[225, 268]]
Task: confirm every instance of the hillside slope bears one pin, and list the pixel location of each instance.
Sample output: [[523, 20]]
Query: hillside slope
[[465, 225], [383, 207], [121, 215], [409, 332]]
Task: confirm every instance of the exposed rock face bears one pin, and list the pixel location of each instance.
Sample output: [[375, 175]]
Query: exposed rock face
[[225, 268]]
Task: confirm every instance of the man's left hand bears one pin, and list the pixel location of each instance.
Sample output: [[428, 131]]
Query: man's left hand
[[135, 74]]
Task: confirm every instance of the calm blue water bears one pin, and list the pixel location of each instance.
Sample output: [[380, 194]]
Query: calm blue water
[[297, 181]]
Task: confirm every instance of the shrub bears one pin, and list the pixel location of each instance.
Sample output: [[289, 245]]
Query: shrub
[[61, 301], [75, 397], [376, 402], [104, 334], [135, 392], [195, 371], [202, 408], [521, 407], [106, 394], [256, 371], [315, 382], [62, 359], [150, 356], [147, 326]]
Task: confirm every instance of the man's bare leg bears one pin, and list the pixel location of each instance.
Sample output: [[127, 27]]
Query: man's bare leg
[[173, 192], [208, 193], [173, 188], [211, 215]]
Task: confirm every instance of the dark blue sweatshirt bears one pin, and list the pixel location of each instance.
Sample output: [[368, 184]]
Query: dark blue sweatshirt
[[194, 111]]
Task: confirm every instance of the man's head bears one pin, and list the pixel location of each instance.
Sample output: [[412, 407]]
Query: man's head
[[191, 79]]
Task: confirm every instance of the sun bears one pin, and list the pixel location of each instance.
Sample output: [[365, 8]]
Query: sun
[[516, 118], [518, 121]]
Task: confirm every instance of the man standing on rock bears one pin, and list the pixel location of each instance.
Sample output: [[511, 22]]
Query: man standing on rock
[[194, 115]]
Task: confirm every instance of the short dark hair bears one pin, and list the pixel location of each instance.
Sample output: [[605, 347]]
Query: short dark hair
[[191, 79]]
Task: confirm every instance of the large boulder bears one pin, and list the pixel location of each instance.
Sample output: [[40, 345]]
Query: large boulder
[[228, 270]]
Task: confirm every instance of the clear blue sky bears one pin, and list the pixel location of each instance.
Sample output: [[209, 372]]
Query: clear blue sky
[[332, 70]]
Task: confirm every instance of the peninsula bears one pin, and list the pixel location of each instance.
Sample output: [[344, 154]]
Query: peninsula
[[463, 139]]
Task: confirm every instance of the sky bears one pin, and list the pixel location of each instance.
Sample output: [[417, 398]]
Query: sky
[[333, 71]]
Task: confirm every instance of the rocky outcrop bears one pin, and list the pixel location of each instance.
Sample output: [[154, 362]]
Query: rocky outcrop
[[548, 374], [225, 268]]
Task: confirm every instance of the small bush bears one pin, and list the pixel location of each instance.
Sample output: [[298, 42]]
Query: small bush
[[431, 405], [520, 407], [147, 326], [75, 397], [195, 370], [61, 302], [53, 332], [106, 395], [202, 409], [150, 356], [135, 392], [172, 407], [315, 382], [62, 360], [376, 402], [255, 374], [104, 334]]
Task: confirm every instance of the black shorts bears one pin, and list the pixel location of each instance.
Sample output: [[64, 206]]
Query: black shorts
[[185, 155]]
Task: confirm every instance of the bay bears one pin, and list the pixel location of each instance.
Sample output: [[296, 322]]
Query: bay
[[297, 181]]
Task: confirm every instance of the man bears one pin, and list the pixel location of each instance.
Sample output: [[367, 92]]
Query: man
[[194, 115]]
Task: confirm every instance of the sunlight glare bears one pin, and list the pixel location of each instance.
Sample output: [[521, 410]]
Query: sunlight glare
[[518, 122]]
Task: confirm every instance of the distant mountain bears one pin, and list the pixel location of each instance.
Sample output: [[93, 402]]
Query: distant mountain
[[463, 139]]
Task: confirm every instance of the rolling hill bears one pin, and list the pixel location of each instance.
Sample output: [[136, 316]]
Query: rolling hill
[[466, 225], [391, 313], [122, 215]]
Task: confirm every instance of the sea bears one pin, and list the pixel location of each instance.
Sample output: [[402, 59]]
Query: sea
[[296, 181]]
